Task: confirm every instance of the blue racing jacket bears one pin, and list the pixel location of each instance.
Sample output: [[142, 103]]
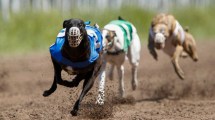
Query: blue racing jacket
[[95, 39]]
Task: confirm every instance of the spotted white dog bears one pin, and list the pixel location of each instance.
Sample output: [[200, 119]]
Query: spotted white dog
[[120, 39]]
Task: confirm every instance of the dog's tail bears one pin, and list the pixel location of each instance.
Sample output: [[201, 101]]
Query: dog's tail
[[186, 28], [120, 18]]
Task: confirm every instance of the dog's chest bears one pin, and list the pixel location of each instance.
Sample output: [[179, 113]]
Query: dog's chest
[[69, 70], [115, 59], [169, 47]]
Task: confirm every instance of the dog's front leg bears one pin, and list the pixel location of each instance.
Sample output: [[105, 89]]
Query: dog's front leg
[[110, 72], [120, 70], [102, 78], [88, 83], [152, 48], [175, 59], [57, 78]]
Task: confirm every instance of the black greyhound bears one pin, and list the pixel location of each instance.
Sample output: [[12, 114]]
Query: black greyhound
[[75, 52]]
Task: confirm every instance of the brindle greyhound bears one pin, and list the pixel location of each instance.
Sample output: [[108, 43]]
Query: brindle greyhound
[[75, 52]]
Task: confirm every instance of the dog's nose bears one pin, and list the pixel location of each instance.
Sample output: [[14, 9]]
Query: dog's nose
[[74, 31], [159, 38], [107, 36]]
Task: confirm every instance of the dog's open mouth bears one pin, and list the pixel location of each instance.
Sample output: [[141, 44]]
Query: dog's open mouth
[[74, 37]]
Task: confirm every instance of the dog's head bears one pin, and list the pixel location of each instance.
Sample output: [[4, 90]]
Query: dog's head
[[160, 33], [162, 27], [108, 38], [75, 31]]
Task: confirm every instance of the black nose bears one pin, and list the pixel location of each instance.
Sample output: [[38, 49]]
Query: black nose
[[107, 36]]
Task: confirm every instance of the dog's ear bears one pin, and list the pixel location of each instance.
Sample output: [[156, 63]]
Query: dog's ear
[[65, 23]]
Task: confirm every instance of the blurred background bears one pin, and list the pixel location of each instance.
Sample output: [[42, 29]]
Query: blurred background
[[32, 25]]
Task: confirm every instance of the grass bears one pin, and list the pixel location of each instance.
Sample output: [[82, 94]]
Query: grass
[[33, 31]]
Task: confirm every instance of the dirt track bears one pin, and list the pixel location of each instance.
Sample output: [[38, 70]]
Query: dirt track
[[160, 94]]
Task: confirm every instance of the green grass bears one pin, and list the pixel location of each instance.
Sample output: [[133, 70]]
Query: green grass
[[200, 21], [33, 31]]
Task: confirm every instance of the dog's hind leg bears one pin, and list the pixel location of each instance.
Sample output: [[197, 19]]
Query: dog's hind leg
[[134, 64], [120, 70], [134, 77], [175, 58], [134, 58]]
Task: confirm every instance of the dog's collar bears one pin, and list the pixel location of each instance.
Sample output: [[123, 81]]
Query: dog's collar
[[115, 52]]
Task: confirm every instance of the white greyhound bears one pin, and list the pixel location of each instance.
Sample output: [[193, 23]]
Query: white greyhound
[[120, 39]]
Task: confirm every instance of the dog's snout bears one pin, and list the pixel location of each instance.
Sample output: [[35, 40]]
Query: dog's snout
[[74, 37], [107, 36], [159, 38], [74, 31]]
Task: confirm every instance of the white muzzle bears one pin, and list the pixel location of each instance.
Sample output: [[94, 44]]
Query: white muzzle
[[159, 38], [74, 37]]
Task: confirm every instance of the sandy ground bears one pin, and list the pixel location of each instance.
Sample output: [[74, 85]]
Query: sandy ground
[[160, 94]]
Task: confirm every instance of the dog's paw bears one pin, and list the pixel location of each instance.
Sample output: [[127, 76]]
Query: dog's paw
[[74, 112], [156, 58], [46, 93], [100, 99], [134, 86]]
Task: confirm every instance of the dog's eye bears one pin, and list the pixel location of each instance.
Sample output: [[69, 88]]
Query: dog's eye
[[80, 25], [107, 36], [162, 30]]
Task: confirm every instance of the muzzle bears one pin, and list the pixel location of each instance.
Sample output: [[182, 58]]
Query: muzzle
[[159, 41], [159, 38], [74, 37]]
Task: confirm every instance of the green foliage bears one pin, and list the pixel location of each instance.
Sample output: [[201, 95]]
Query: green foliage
[[30, 31], [27, 32], [199, 21]]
